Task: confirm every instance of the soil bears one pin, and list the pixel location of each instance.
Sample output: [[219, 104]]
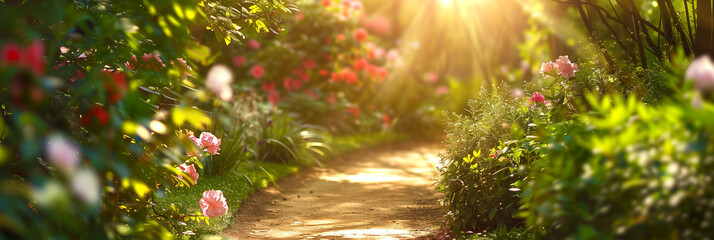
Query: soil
[[381, 193]]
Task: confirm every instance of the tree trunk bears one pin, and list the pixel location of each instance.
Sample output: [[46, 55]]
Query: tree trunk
[[705, 23]]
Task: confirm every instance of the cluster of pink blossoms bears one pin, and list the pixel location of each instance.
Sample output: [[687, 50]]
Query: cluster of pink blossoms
[[562, 67], [207, 141], [190, 170], [213, 204]]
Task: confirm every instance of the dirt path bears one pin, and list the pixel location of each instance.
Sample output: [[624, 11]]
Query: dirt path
[[383, 193]]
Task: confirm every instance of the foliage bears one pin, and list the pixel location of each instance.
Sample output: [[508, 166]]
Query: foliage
[[96, 138], [488, 155], [627, 170]]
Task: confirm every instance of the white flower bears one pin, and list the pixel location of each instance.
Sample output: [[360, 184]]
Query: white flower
[[62, 153], [219, 81], [701, 71]]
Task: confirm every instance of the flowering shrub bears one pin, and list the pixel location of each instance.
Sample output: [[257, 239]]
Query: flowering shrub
[[488, 154], [99, 137], [322, 68]]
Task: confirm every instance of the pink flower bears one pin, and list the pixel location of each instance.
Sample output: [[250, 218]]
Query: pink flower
[[64, 49], [257, 71], [62, 154], [392, 55], [309, 63], [190, 170], [194, 139], [238, 61], [268, 86], [441, 90], [361, 34], [517, 93], [549, 68], [274, 97], [701, 71], [566, 69], [213, 204], [210, 142], [253, 44], [537, 97], [431, 77], [287, 84]]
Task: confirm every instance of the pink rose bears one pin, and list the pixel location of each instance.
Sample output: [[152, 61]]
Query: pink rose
[[190, 170], [431, 77], [210, 142], [213, 204], [549, 68], [701, 71], [253, 44], [257, 71], [238, 61], [566, 69]]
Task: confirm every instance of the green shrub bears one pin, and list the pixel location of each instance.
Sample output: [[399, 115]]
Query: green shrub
[[487, 155], [626, 171]]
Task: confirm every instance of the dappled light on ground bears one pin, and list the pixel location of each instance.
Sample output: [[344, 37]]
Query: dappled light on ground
[[382, 194]]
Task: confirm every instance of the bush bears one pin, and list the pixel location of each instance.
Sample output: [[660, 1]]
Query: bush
[[626, 171], [488, 154]]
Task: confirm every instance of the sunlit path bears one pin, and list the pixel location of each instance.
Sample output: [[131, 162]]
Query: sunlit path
[[384, 193]]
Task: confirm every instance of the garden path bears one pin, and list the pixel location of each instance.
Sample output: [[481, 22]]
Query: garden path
[[380, 193]]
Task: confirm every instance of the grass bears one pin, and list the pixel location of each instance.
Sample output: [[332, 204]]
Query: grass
[[237, 187], [500, 234]]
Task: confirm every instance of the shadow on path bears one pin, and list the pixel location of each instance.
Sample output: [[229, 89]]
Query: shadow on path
[[383, 193]]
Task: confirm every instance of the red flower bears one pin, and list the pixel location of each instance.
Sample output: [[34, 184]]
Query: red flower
[[387, 120], [331, 100], [257, 71], [238, 61], [339, 37], [360, 34], [268, 86], [299, 17], [324, 73], [33, 58], [537, 97], [326, 3], [116, 88], [287, 84], [360, 64], [309, 63], [96, 112], [349, 76], [296, 85], [11, 54], [354, 111]]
